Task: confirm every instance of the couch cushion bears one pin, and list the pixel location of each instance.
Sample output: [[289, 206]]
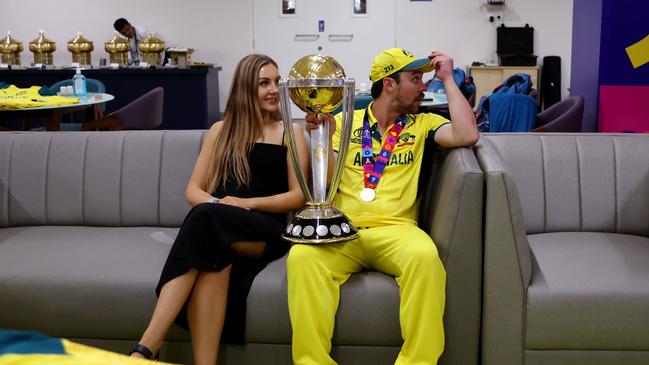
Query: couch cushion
[[368, 313], [107, 276], [133, 178], [85, 282], [588, 291], [577, 182]]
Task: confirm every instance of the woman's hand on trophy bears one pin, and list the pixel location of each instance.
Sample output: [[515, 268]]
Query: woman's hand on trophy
[[314, 120]]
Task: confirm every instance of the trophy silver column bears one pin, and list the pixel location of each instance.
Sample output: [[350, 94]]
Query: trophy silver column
[[317, 84]]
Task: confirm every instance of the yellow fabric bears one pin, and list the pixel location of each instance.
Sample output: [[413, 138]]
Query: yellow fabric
[[14, 97], [76, 354], [396, 193], [639, 52], [315, 273]]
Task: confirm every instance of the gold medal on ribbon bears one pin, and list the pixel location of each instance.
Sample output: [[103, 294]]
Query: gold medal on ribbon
[[368, 194]]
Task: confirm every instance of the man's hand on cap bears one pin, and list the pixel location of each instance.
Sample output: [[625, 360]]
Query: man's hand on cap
[[443, 65]]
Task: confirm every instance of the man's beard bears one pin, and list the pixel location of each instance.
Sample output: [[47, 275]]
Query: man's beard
[[412, 107]]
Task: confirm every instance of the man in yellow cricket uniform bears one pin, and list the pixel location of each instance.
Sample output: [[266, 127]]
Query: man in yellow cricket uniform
[[378, 192]]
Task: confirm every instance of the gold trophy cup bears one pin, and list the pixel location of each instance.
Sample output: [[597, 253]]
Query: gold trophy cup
[[118, 48], [10, 50], [151, 48], [43, 49], [81, 49], [317, 84]]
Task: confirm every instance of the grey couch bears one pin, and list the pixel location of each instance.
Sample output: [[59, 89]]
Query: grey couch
[[87, 220], [566, 249]]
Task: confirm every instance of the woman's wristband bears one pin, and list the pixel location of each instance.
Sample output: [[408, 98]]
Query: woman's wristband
[[214, 200]]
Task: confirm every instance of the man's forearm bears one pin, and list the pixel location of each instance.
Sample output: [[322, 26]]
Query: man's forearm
[[465, 130]]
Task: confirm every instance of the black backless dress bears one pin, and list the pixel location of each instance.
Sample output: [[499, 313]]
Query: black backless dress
[[204, 239]]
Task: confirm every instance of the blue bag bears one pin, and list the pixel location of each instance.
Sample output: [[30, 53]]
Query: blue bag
[[509, 108], [464, 83]]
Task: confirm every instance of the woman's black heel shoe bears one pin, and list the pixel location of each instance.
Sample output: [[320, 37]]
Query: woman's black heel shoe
[[144, 351]]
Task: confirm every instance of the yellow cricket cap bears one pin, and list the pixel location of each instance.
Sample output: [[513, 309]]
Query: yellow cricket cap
[[392, 60]]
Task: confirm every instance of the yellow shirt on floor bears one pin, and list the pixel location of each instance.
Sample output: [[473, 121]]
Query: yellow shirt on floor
[[33, 348], [396, 193], [14, 97]]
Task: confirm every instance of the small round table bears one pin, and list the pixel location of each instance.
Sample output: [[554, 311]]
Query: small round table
[[52, 114]]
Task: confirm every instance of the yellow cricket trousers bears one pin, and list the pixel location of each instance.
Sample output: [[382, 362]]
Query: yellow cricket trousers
[[315, 274]]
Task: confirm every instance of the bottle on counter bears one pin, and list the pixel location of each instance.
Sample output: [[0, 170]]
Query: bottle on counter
[[79, 84]]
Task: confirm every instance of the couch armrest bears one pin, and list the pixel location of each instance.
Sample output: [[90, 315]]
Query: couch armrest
[[451, 204], [451, 212], [507, 263]]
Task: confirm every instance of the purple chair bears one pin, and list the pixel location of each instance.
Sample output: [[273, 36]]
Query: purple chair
[[564, 116], [144, 112]]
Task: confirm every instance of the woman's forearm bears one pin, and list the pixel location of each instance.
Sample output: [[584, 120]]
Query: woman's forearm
[[279, 203], [195, 195]]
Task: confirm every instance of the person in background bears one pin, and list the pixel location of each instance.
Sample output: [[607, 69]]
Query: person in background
[[378, 192], [135, 34], [242, 186]]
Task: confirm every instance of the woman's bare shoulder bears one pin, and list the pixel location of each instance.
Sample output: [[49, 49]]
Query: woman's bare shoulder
[[214, 130], [216, 126]]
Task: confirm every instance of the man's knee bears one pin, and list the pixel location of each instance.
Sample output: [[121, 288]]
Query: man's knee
[[300, 257], [423, 254]]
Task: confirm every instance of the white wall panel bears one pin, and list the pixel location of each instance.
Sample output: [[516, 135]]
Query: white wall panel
[[222, 31]]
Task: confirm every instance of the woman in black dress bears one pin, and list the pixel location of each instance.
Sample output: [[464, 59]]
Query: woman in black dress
[[242, 185]]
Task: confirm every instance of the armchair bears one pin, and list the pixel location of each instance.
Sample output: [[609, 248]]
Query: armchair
[[145, 112], [564, 116], [566, 249]]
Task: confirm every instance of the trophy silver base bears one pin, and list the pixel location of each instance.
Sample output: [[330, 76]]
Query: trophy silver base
[[318, 224]]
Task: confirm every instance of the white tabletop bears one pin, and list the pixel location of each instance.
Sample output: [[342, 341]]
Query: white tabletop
[[431, 100], [90, 99]]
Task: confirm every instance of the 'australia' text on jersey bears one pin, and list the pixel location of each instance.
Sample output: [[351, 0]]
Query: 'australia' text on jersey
[[396, 158]]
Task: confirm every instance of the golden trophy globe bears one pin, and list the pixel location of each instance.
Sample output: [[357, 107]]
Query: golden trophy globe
[[317, 84]]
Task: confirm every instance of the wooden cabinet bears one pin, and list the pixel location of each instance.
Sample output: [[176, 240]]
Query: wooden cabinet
[[486, 78]]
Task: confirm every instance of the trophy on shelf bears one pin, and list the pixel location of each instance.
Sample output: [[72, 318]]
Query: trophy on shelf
[[151, 48], [43, 49], [81, 49], [10, 50], [317, 84], [118, 48]]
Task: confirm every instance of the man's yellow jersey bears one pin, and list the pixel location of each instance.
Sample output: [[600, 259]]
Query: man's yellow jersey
[[396, 193]]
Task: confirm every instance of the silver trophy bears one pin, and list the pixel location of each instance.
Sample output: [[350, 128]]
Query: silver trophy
[[317, 84]]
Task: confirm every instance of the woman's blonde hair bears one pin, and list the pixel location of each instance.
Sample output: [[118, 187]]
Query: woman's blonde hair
[[242, 125]]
